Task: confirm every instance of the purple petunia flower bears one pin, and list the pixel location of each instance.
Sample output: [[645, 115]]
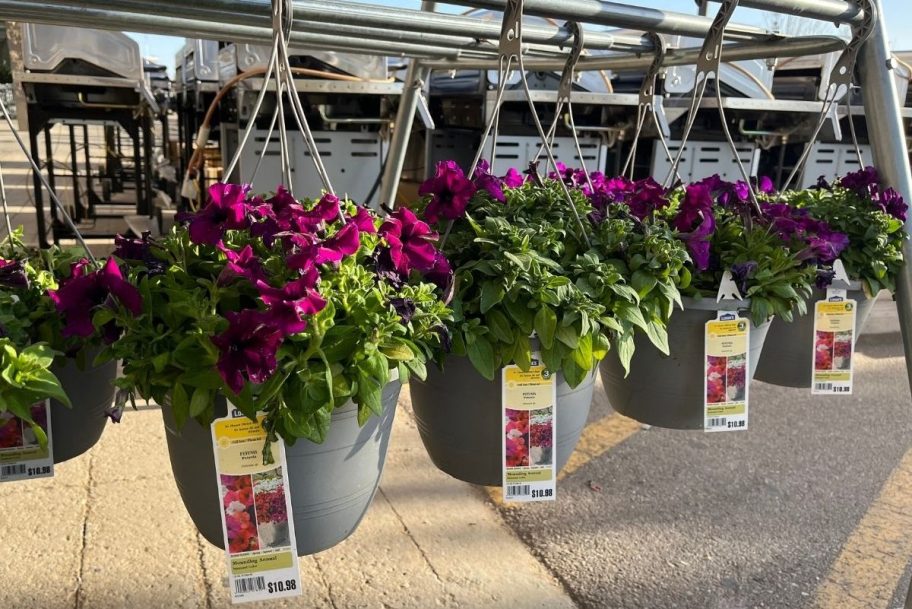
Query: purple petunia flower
[[363, 219], [441, 274], [12, 274], [244, 264], [345, 242], [696, 223], [227, 210], [741, 273], [863, 182], [894, 204], [410, 242], [764, 184], [451, 192], [79, 295], [286, 305], [248, 347], [405, 307], [513, 179], [325, 211], [483, 180]]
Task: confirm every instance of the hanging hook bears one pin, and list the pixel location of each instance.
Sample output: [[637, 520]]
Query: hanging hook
[[564, 94], [651, 102], [840, 83]]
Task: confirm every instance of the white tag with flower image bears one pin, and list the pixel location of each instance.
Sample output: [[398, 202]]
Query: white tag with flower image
[[834, 344], [21, 454], [726, 366], [528, 401], [255, 505]]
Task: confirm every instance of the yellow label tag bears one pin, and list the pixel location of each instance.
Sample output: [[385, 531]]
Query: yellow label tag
[[834, 346], [255, 504], [725, 373], [528, 401]]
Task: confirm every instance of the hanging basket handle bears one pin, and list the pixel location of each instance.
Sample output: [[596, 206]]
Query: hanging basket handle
[[839, 86]]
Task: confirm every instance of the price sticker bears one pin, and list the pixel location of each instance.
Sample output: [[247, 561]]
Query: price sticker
[[834, 344], [726, 367], [255, 505], [21, 454], [529, 432]]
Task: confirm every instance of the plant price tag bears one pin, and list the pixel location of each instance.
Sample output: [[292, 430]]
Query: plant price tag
[[529, 432], [726, 366], [21, 456], [256, 510], [834, 344]]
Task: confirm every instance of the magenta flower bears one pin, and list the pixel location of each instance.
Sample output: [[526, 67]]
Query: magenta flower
[[12, 274], [765, 185], [484, 180], [441, 273], [451, 192], [513, 179], [410, 241], [83, 292], [227, 210], [893, 204], [696, 223], [863, 182], [310, 252], [741, 273], [325, 211], [363, 219], [244, 264], [301, 293], [248, 347]]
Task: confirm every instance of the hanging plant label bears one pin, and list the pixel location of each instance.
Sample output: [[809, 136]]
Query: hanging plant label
[[21, 454], [255, 505], [726, 365], [529, 429], [834, 344]]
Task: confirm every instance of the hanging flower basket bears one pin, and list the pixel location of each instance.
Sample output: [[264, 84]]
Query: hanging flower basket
[[56, 314], [573, 273], [310, 312], [459, 418], [331, 484], [868, 223], [668, 390], [78, 428], [723, 231]]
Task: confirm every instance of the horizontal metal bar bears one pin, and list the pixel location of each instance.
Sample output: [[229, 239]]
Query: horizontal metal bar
[[786, 47], [153, 22], [622, 15], [835, 11]]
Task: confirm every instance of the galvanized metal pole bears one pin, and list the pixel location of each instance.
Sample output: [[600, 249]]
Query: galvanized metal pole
[[891, 157], [415, 78]]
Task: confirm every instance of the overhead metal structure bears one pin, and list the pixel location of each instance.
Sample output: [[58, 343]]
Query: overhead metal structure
[[436, 42]]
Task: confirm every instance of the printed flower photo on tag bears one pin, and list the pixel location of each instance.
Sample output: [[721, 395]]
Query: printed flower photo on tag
[[516, 437], [540, 436], [240, 516], [271, 515], [823, 350]]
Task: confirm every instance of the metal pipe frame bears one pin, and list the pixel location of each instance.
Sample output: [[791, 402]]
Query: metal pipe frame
[[786, 47], [834, 11], [891, 157]]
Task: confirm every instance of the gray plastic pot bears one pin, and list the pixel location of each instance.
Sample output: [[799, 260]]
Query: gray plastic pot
[[332, 484], [458, 413], [667, 390], [91, 391], [787, 358]]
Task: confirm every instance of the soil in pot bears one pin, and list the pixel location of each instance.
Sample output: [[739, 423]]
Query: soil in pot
[[667, 390], [458, 413], [332, 484]]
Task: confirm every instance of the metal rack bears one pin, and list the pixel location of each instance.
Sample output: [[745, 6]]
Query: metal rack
[[436, 42]]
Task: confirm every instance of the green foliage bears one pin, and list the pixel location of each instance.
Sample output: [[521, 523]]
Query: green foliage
[[26, 379], [350, 350], [525, 266], [874, 254]]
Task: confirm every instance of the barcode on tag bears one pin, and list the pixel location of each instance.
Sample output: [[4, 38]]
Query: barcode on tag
[[716, 422], [519, 490], [823, 386], [12, 470], [243, 585]]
